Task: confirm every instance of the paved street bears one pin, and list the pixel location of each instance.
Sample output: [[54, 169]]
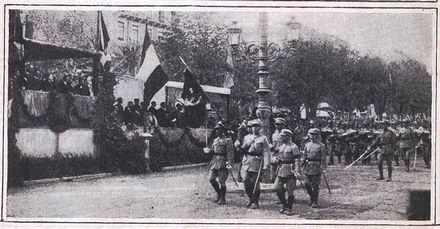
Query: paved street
[[187, 194]]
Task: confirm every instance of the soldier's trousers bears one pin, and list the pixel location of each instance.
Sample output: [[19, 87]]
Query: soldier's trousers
[[221, 174], [249, 183], [406, 155], [426, 154], [290, 183], [348, 156], [273, 172], [311, 184], [388, 158]]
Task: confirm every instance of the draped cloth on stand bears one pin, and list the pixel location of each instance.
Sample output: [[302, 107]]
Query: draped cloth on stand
[[37, 102], [84, 106]]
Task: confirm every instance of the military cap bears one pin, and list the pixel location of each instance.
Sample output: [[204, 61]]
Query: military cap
[[256, 122], [286, 132], [313, 131], [280, 121], [249, 123], [220, 125]]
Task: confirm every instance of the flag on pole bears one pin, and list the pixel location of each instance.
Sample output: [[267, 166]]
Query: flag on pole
[[102, 34], [150, 72], [229, 77], [102, 40]]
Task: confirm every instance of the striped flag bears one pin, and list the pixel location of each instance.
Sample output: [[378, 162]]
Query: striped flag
[[150, 72], [229, 77], [102, 40]]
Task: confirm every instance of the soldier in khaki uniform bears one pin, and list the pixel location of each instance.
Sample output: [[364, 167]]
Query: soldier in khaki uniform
[[243, 147], [221, 162], [387, 143], [257, 156], [276, 141], [287, 158], [406, 142], [314, 165]]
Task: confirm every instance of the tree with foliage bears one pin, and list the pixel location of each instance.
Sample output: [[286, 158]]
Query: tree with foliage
[[411, 86]]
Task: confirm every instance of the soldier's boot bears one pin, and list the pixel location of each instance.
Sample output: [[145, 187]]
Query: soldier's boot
[[332, 160], [281, 197], [222, 200], [216, 187], [390, 173], [290, 201], [256, 199], [407, 164], [310, 192], [315, 197], [248, 188], [380, 172], [396, 159]]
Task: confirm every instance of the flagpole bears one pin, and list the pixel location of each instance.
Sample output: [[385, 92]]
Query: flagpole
[[206, 127]]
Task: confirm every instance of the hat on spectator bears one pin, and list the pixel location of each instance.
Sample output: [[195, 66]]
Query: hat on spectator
[[313, 131], [280, 121], [256, 122], [286, 132], [220, 125]]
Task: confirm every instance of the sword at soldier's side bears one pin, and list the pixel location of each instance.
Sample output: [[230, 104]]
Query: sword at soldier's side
[[361, 158], [258, 176], [326, 182], [415, 157], [233, 178]]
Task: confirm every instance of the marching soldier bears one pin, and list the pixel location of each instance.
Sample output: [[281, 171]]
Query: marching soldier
[[276, 142], [287, 158], [331, 146], [386, 141], [242, 145], [406, 143], [256, 160], [314, 165], [221, 162]]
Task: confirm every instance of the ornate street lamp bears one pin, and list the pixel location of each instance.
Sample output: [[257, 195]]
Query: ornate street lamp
[[264, 88]]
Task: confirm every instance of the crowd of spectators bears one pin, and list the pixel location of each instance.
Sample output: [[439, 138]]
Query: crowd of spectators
[[140, 114]]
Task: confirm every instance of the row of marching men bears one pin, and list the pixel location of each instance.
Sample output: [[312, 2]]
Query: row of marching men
[[281, 158], [349, 142], [285, 162]]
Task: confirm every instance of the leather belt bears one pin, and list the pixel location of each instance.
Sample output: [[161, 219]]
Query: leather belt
[[220, 154], [318, 160]]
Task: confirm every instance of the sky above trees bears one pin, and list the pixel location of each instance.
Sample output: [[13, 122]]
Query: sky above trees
[[388, 34]]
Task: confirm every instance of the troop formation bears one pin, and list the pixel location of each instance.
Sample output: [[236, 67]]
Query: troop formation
[[302, 154]]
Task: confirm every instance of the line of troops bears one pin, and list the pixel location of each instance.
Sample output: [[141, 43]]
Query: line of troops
[[285, 160]]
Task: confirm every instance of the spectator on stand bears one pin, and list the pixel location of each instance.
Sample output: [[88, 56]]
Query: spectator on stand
[[152, 108], [129, 114], [82, 88], [137, 112], [178, 116], [162, 115]]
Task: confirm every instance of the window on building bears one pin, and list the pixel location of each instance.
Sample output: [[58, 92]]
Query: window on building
[[134, 36], [121, 30], [161, 16]]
